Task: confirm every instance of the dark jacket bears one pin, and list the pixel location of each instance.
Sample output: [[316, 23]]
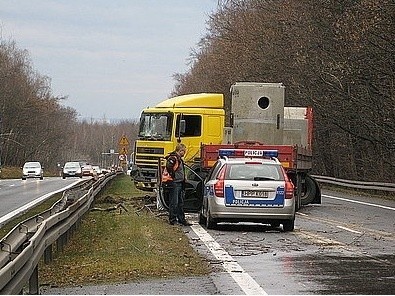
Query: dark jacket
[[175, 167]]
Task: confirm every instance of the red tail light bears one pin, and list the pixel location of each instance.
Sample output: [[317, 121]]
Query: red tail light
[[289, 190], [219, 185], [289, 186]]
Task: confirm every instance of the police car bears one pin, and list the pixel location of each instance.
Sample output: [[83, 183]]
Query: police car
[[248, 186]]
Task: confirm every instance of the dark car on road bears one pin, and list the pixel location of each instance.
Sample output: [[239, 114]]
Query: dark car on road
[[71, 169]]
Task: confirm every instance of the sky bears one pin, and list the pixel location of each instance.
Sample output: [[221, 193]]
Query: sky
[[111, 59]]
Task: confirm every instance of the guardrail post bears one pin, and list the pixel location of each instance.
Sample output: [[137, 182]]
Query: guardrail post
[[60, 242], [67, 236], [33, 282], [48, 254], [78, 223], [73, 228]]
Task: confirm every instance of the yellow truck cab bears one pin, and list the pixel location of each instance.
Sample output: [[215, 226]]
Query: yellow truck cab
[[193, 119]]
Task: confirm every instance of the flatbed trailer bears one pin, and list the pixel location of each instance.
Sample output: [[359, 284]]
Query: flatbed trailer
[[292, 157]]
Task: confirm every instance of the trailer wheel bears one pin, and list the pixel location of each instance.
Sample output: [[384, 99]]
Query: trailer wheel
[[309, 191]]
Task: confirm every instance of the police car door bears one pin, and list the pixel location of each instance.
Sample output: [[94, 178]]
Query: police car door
[[193, 191]]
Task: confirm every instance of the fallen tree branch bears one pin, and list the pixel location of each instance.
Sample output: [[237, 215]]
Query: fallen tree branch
[[142, 208], [114, 208]]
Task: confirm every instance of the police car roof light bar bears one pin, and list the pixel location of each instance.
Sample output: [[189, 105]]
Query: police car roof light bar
[[247, 153]]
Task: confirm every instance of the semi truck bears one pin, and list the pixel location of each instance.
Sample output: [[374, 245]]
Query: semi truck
[[257, 119]]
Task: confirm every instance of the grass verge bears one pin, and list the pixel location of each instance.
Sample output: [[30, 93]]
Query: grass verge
[[123, 246]]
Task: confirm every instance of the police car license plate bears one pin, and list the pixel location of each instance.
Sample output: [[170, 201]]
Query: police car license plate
[[255, 193]]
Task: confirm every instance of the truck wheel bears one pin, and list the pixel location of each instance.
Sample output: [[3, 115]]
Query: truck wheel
[[289, 225], [309, 191], [299, 191]]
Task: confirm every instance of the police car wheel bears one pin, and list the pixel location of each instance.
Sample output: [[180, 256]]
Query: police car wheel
[[288, 225], [210, 223], [275, 224]]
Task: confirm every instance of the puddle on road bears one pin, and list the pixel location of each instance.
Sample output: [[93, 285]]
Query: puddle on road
[[347, 275]]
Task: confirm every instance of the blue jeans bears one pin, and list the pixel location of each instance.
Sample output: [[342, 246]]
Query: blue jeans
[[176, 202]]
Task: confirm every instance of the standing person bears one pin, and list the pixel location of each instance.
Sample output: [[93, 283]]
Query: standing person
[[174, 178]]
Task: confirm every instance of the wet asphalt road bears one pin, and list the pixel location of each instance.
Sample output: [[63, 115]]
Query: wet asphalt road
[[346, 245], [15, 193]]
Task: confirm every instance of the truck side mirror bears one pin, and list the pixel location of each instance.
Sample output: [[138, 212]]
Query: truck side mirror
[[182, 126], [232, 119]]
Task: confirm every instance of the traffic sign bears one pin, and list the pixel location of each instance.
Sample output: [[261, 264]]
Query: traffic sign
[[124, 141], [123, 150], [121, 157]]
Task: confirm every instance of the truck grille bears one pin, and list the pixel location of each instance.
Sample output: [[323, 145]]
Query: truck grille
[[144, 162], [149, 150]]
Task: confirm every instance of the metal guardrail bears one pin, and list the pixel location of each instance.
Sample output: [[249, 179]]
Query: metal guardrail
[[356, 184], [22, 248]]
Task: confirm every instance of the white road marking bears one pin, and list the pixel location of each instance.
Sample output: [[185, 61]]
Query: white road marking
[[359, 202], [242, 278], [348, 229]]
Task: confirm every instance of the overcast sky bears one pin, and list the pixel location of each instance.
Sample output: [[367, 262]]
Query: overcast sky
[[110, 58]]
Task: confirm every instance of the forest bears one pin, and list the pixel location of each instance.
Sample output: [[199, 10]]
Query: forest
[[336, 56], [34, 125]]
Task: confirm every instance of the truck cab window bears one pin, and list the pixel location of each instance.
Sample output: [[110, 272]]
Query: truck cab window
[[193, 125], [155, 126]]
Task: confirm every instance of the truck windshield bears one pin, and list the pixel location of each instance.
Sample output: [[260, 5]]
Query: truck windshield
[[156, 126]]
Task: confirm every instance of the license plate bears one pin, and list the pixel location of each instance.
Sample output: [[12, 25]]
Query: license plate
[[255, 193], [154, 180]]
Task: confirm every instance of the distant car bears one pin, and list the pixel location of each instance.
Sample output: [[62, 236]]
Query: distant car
[[97, 169], [32, 169], [87, 170], [104, 171], [71, 169], [248, 189]]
